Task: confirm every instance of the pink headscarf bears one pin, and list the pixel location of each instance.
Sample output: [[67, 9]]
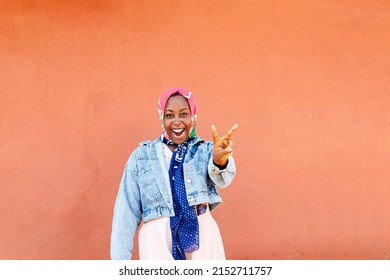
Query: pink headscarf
[[162, 102]]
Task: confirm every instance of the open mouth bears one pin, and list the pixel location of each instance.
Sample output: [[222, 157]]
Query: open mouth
[[178, 132]]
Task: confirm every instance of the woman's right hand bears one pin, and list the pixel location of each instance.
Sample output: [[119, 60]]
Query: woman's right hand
[[223, 147]]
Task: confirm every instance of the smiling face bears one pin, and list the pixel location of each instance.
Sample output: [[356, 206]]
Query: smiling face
[[177, 119]]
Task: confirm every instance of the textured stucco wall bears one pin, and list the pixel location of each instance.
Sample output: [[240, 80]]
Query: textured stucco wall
[[307, 81]]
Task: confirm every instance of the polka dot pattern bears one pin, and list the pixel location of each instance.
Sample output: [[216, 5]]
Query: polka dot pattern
[[184, 225]]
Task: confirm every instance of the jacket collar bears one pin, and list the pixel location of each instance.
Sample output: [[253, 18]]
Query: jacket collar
[[198, 140]]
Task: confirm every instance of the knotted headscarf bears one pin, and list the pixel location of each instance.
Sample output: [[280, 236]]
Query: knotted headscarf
[[162, 102]]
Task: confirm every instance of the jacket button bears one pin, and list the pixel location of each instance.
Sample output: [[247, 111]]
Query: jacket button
[[188, 180]]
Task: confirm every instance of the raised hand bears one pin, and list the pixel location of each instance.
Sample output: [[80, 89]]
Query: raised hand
[[223, 147]]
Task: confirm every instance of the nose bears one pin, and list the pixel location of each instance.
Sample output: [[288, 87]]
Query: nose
[[176, 120]]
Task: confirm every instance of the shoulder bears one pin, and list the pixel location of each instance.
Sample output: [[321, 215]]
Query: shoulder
[[143, 149], [146, 145], [201, 146]]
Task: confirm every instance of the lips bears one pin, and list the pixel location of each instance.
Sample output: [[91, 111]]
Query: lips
[[178, 131]]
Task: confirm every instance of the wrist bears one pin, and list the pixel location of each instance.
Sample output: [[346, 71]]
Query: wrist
[[221, 165]]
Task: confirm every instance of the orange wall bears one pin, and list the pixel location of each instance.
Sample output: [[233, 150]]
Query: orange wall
[[307, 81]]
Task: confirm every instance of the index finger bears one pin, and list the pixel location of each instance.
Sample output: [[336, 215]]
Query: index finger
[[215, 133]]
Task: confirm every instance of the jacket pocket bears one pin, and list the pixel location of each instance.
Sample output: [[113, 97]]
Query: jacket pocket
[[146, 177]]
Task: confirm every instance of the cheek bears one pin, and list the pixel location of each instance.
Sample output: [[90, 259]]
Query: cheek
[[165, 124], [188, 125]]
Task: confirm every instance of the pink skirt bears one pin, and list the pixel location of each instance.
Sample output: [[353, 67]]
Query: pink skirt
[[155, 241]]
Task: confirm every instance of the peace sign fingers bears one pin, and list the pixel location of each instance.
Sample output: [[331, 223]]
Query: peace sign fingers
[[223, 147], [228, 135]]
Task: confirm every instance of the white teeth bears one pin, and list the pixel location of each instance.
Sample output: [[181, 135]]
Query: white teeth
[[177, 130]]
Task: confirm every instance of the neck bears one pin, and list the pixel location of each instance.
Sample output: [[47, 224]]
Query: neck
[[172, 147]]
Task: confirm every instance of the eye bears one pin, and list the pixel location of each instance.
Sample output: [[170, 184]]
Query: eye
[[169, 116], [184, 114]]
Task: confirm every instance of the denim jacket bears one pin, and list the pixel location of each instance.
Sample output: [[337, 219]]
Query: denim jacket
[[145, 189]]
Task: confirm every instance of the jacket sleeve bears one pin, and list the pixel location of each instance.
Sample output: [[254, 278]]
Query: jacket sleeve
[[127, 213], [221, 177]]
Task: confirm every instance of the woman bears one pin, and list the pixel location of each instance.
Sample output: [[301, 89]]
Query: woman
[[170, 183]]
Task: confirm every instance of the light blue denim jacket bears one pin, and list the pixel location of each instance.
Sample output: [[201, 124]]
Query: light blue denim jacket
[[145, 189]]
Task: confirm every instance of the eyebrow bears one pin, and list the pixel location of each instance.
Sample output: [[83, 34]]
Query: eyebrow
[[170, 110]]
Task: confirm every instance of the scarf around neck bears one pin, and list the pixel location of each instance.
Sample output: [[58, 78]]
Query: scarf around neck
[[184, 225]]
